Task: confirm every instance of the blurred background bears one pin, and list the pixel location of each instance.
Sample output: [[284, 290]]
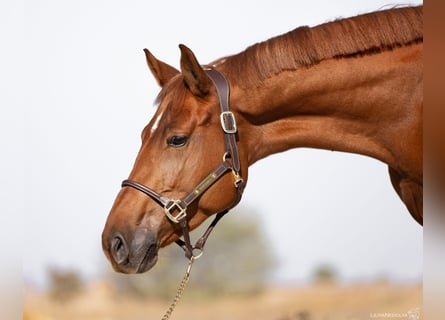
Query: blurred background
[[88, 96]]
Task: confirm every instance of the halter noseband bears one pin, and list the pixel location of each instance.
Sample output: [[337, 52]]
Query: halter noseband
[[229, 127]]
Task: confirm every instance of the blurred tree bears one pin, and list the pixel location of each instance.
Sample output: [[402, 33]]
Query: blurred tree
[[64, 285], [324, 273], [237, 259]]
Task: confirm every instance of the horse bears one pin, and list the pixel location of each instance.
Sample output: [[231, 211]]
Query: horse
[[352, 85]]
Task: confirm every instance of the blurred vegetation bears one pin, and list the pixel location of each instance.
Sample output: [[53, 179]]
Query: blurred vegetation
[[64, 285], [300, 315], [324, 273], [236, 260]]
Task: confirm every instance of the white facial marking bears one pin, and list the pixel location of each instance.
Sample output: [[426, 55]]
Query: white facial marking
[[156, 124]]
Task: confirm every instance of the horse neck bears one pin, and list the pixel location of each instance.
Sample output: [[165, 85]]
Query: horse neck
[[359, 105]]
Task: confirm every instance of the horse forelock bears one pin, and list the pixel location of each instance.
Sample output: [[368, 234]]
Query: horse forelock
[[175, 89], [172, 95], [361, 35], [176, 104]]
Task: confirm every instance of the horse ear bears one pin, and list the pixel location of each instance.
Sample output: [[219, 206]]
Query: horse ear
[[161, 71], [194, 75]]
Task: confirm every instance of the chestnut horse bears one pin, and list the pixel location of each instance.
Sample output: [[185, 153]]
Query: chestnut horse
[[352, 85]]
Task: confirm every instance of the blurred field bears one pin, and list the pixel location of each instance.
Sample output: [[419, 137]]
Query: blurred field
[[100, 301]]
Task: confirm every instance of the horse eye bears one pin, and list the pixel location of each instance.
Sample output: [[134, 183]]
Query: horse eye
[[177, 141]]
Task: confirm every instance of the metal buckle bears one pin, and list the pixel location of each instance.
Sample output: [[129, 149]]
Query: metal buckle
[[238, 180], [171, 205], [228, 122]]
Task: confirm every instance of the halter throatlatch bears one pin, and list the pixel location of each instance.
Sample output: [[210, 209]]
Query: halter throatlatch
[[176, 210]]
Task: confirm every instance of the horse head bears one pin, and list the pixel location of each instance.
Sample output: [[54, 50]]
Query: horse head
[[181, 144]]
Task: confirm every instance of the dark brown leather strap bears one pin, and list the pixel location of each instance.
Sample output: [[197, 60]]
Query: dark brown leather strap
[[206, 183], [162, 200], [228, 121]]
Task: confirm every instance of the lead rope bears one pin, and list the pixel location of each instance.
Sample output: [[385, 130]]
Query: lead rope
[[180, 291]]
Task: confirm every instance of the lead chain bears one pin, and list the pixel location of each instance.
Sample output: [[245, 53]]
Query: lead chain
[[180, 291]]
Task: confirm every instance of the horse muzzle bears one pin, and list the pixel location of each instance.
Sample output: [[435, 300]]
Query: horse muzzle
[[135, 252]]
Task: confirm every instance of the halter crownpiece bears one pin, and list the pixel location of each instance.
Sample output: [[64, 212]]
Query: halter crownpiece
[[228, 124]]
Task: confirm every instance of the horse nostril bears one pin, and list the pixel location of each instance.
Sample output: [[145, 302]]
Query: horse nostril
[[119, 249]]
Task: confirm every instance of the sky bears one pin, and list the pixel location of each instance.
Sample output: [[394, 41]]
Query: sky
[[88, 94]]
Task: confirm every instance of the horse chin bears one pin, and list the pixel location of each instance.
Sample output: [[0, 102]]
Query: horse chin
[[144, 253], [148, 261]]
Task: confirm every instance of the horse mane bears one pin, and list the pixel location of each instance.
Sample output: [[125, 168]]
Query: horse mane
[[361, 35]]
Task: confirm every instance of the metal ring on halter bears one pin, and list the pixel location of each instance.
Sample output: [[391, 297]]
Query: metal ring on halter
[[198, 255], [226, 155]]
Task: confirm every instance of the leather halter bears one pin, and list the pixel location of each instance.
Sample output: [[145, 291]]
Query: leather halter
[[170, 206]]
